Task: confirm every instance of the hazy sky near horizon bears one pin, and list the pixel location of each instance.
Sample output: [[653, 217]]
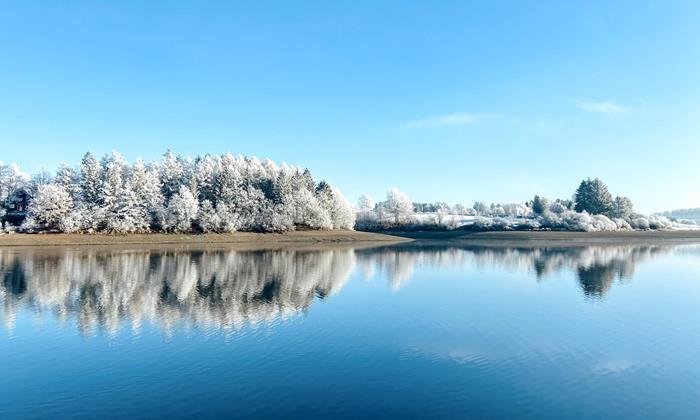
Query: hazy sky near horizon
[[448, 101]]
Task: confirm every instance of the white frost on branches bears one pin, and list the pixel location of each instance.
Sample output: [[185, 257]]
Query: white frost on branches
[[209, 194]]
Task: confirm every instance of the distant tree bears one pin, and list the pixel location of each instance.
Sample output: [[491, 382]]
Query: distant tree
[[42, 177], [365, 203], [481, 208], [593, 197], [622, 208], [398, 205], [441, 210], [540, 205], [365, 210]]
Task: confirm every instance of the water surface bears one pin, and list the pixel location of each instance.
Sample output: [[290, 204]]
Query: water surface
[[405, 330]]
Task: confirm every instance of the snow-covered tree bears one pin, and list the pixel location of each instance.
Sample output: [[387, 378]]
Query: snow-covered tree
[[398, 205], [481, 208], [49, 207], [172, 174], [622, 208], [11, 179], [540, 205], [182, 210], [69, 179], [592, 196], [146, 187], [90, 180]]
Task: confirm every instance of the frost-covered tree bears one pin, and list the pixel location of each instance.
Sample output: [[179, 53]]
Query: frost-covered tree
[[481, 208], [11, 180], [234, 193], [49, 208], [365, 206], [540, 205], [340, 211], [592, 196], [182, 210], [146, 187], [172, 174], [622, 208], [397, 205], [41, 177], [459, 209], [90, 180], [69, 179]]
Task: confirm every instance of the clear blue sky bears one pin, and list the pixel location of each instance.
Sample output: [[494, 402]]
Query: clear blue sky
[[454, 101]]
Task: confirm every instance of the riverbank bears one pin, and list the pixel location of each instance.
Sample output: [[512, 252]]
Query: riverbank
[[546, 237], [235, 238], [453, 237]]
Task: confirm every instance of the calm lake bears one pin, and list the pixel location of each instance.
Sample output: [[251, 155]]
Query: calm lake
[[405, 330]]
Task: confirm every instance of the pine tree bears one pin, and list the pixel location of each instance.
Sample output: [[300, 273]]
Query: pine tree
[[540, 205], [593, 197], [172, 174], [90, 179], [145, 184], [182, 210]]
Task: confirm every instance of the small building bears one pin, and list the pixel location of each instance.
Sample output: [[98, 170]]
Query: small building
[[16, 206], [18, 201]]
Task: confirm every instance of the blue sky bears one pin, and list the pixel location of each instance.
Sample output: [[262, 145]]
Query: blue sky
[[454, 101]]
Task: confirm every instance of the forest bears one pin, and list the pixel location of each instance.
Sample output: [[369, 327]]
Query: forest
[[176, 194], [228, 193]]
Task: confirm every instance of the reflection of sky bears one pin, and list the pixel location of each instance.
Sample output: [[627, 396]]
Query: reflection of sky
[[457, 338]]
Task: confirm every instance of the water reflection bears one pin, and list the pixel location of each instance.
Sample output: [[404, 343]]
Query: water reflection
[[225, 290], [210, 289], [596, 267]]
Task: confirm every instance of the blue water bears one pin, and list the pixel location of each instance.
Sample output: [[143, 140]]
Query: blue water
[[411, 331]]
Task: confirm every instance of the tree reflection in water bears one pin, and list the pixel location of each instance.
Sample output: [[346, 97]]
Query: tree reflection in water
[[225, 290]]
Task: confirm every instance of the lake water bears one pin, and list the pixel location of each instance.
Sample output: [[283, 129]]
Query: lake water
[[405, 330]]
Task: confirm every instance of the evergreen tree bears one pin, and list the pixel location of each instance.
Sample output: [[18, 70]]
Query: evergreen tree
[[172, 175], [593, 197], [182, 210], [540, 205], [90, 181], [145, 184]]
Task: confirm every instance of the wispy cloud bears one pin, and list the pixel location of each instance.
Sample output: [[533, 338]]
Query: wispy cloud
[[457, 118], [603, 107]]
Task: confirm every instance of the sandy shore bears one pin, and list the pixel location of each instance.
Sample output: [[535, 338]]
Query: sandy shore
[[236, 238]]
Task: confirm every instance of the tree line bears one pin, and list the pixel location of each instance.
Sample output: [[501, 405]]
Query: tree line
[[213, 193], [591, 208]]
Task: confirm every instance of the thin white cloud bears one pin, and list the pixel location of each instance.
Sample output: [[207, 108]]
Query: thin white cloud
[[455, 119], [603, 107]]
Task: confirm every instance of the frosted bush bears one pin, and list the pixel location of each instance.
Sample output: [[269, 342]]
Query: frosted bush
[[640, 223]]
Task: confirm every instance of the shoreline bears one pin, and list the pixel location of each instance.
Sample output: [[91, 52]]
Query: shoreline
[[556, 238], [203, 239], [334, 238]]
